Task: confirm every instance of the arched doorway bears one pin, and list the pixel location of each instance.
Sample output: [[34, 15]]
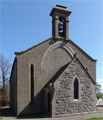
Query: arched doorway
[[49, 103]]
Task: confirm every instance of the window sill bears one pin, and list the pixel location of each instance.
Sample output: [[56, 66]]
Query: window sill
[[76, 100]]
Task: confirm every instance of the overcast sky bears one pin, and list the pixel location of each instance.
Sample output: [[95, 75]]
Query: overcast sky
[[25, 23]]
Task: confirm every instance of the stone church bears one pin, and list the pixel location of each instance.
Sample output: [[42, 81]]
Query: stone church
[[55, 77]]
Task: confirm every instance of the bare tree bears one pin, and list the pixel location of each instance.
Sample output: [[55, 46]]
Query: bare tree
[[4, 71], [4, 80]]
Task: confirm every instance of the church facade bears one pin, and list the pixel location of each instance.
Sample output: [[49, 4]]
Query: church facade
[[55, 77]]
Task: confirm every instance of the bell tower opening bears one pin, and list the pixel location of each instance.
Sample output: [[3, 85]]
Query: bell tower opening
[[60, 22]]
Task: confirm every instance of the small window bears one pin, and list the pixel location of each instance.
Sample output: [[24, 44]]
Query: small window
[[32, 81], [61, 26], [76, 89]]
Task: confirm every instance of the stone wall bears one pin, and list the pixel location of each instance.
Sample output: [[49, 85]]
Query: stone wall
[[63, 102], [57, 55], [85, 59]]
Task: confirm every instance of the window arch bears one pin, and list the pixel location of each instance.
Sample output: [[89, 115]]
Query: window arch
[[76, 89], [61, 23], [32, 81]]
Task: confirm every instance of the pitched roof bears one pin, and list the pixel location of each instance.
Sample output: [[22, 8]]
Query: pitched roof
[[19, 53], [62, 69]]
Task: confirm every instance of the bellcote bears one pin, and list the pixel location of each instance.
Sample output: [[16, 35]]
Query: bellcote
[[60, 22]]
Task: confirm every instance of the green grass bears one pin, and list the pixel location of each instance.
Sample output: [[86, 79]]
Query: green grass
[[0, 118], [95, 119]]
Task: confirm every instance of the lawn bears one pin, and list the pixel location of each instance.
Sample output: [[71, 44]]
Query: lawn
[[0, 118], [95, 119]]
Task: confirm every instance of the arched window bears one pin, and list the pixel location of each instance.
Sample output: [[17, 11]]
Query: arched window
[[76, 89], [32, 81], [61, 23]]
